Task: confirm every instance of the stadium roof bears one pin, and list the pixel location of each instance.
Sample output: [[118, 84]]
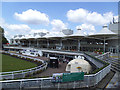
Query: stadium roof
[[78, 34], [104, 33], [54, 35]]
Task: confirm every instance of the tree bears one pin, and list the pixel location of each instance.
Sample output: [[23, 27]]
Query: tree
[[3, 40]]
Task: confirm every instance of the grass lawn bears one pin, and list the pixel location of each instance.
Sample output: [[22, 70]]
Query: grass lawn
[[14, 64]]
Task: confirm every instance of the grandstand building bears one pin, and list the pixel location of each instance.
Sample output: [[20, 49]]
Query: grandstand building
[[104, 41]]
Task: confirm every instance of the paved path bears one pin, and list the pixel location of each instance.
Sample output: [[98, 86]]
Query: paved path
[[49, 71], [102, 84], [115, 81]]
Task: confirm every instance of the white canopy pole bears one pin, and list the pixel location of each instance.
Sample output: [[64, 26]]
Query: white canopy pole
[[37, 43], [47, 43], [29, 43], [78, 45], [104, 44], [61, 43]]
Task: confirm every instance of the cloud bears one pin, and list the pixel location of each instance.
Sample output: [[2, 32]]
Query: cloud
[[18, 27], [2, 22], [58, 25], [84, 16], [87, 29], [13, 29], [32, 17], [38, 30]]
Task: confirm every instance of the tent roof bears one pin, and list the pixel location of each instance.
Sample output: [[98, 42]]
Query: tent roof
[[17, 37], [37, 36], [23, 37], [105, 32], [54, 35], [79, 33]]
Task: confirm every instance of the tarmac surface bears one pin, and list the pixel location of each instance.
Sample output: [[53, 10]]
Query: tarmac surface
[[105, 81], [49, 71], [115, 81]]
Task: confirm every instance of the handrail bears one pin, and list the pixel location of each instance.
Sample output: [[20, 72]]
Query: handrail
[[102, 54], [25, 69], [90, 80]]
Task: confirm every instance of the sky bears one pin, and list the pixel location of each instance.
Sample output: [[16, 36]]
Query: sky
[[30, 17]]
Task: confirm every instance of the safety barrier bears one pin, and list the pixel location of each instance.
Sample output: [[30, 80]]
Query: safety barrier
[[89, 80], [104, 56], [23, 73]]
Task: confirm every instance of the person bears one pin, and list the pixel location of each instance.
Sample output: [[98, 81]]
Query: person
[[64, 60], [67, 61]]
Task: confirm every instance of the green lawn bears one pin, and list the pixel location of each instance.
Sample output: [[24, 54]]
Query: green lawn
[[13, 64]]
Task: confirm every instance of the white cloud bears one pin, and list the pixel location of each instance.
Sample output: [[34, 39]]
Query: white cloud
[[2, 22], [58, 25], [18, 27], [32, 17], [77, 15], [38, 30], [13, 29], [87, 28], [84, 16]]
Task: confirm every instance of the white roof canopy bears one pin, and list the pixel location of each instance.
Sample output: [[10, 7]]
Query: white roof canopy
[[37, 36], [29, 36], [54, 35], [104, 33], [79, 33], [23, 37]]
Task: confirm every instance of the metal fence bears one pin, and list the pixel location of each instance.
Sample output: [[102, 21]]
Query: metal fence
[[104, 56], [89, 80], [23, 73]]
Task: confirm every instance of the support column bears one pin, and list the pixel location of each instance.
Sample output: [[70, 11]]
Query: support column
[[19, 42], [48, 55], [34, 43], [112, 49], [78, 45], [14, 41], [63, 56], [29, 43], [37, 43], [23, 43], [117, 49], [48, 43], [61, 43], [104, 45]]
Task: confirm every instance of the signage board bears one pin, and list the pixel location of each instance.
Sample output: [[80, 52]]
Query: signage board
[[67, 77]]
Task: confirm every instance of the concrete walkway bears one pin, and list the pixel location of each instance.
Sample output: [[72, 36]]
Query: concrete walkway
[[115, 81], [49, 71], [103, 83]]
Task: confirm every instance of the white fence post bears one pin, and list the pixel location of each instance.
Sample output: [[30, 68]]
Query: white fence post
[[41, 83], [74, 84], [88, 81], [12, 75], [58, 86], [21, 85]]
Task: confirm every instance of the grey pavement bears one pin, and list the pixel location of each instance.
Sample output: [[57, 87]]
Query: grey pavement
[[115, 81], [50, 71]]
